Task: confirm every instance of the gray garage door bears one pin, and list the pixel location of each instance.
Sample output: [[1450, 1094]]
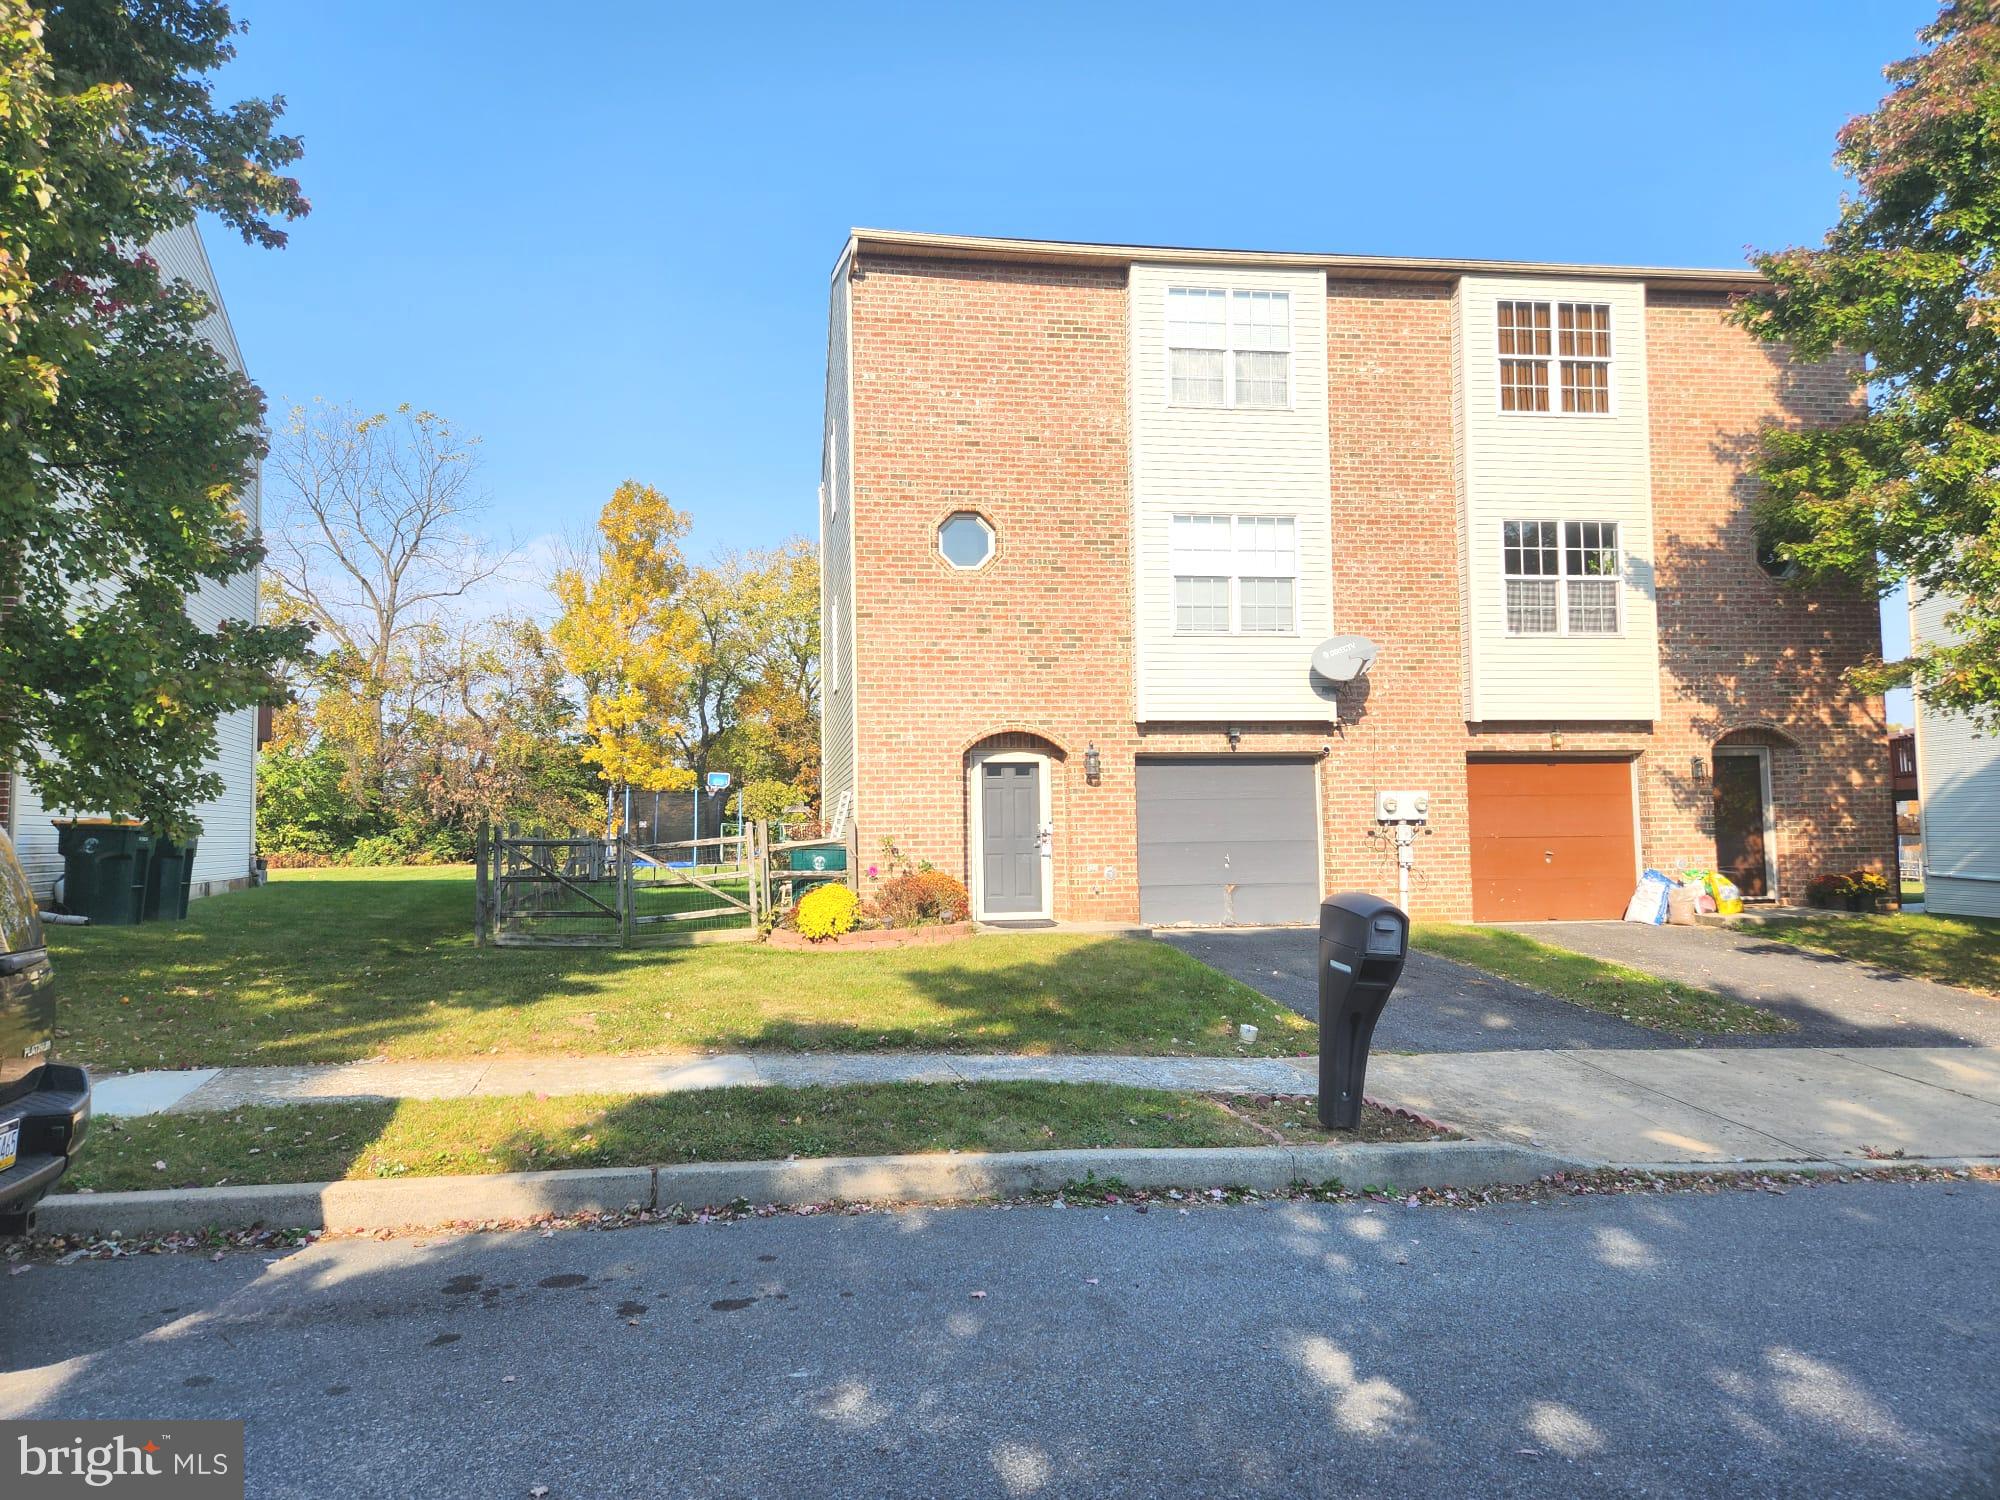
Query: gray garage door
[[1224, 842]]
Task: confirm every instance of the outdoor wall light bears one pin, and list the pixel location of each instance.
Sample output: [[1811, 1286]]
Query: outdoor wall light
[[1093, 765], [1235, 736]]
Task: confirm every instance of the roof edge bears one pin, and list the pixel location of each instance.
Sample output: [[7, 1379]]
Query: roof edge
[[1392, 267]]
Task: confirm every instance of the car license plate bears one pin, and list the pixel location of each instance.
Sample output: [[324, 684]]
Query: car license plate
[[10, 1144]]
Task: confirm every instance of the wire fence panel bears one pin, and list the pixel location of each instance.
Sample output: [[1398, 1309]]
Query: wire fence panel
[[585, 890]]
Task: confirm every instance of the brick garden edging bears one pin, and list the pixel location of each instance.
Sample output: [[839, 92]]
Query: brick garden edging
[[876, 937]]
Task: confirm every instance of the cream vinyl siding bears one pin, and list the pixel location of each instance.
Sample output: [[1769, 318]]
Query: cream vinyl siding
[[1239, 462], [1554, 466], [227, 846], [1958, 775], [838, 626]]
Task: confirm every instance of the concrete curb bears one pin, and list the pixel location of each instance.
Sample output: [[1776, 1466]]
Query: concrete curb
[[431, 1202]]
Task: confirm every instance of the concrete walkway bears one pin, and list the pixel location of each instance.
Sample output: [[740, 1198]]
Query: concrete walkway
[[229, 1088], [1613, 1105]]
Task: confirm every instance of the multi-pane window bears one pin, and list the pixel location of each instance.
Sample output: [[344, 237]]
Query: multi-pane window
[[1590, 577], [1583, 341], [1228, 348], [1235, 575], [1524, 356], [1562, 578], [1533, 575], [1575, 337]]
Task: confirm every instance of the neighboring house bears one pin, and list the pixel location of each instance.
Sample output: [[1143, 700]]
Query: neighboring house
[[226, 852], [1958, 768], [1088, 510]]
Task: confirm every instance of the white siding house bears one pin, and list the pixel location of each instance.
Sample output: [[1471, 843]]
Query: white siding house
[[836, 548], [1524, 459], [1958, 777], [226, 851], [1232, 517]]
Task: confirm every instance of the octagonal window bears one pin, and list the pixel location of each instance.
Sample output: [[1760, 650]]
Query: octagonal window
[[965, 539]]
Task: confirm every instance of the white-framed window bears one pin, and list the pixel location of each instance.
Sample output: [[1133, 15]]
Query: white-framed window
[[1235, 575], [1562, 577], [1554, 356], [1229, 347]]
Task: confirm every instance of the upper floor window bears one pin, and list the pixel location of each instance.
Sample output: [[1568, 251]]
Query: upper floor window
[[1235, 575], [1562, 577], [1574, 337], [1228, 348]]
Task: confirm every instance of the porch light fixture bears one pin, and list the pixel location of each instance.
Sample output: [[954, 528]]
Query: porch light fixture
[[1235, 736], [1093, 765]]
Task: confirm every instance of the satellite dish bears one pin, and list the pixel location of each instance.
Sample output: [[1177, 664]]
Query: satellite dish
[[1344, 657]]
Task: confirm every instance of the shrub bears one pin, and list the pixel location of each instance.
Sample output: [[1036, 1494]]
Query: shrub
[[377, 849], [1852, 890], [827, 911], [920, 896]]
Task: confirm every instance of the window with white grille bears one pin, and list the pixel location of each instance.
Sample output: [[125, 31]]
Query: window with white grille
[[1230, 348], [1562, 577], [1562, 348], [1235, 575]]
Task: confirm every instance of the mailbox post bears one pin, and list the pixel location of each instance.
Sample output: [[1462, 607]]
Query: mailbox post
[[1363, 941]]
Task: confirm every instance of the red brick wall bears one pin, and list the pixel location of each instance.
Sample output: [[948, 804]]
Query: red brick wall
[[999, 389], [1003, 389]]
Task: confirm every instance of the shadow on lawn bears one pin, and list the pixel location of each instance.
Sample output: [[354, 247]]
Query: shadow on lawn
[[333, 968]]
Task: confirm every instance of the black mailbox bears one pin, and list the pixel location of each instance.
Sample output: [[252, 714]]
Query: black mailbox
[[1362, 943]]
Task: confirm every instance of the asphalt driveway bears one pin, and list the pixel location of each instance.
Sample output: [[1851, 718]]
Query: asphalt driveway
[[1439, 1006], [1833, 1001]]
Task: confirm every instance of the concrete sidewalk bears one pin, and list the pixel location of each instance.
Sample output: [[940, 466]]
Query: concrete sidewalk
[[229, 1088], [1650, 1105], [1700, 1105]]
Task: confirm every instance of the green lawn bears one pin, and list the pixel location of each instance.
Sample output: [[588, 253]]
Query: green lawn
[[337, 965], [329, 1142], [1953, 950], [1629, 994]]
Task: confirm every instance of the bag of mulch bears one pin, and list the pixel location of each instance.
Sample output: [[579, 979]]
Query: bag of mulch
[[1680, 905], [1649, 901]]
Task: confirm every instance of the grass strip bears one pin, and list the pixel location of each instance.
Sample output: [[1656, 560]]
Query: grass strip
[[451, 1137], [1629, 994]]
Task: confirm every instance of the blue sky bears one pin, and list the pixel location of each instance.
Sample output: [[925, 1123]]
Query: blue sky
[[604, 248]]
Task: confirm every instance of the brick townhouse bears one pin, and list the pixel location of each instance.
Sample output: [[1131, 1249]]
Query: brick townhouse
[[1088, 510]]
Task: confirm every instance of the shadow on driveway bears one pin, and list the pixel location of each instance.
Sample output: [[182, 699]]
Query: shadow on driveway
[[1439, 1006]]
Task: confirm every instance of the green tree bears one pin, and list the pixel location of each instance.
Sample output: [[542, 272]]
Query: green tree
[[1908, 491], [126, 442]]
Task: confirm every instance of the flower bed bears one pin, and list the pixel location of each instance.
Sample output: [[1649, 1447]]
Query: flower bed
[[876, 937]]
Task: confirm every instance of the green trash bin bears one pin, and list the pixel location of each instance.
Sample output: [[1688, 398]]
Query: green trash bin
[[104, 868], [169, 874], [818, 859]]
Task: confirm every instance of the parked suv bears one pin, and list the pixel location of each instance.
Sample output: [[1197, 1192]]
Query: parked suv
[[44, 1104]]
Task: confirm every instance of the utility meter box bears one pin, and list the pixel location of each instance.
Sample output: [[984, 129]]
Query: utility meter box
[[1402, 807]]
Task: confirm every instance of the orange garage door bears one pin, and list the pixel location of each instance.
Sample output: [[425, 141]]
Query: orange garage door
[[1551, 839]]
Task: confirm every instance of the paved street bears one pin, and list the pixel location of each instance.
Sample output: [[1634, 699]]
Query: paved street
[[1833, 1341]]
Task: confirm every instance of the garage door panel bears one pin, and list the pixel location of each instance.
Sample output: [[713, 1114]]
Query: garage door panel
[[1227, 841], [1550, 838]]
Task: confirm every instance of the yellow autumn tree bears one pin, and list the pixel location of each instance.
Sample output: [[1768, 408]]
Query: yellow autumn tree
[[628, 636]]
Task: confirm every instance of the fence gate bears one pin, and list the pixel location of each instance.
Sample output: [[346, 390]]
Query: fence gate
[[585, 890]]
